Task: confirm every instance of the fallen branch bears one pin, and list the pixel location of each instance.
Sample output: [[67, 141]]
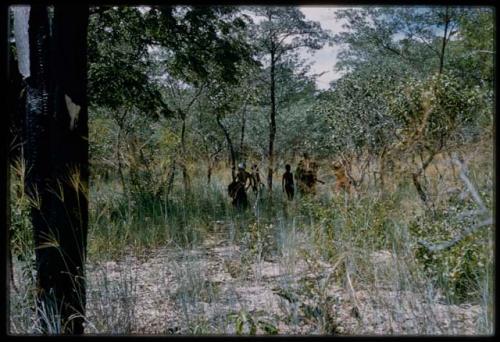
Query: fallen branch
[[353, 294], [468, 183], [470, 213], [445, 245]]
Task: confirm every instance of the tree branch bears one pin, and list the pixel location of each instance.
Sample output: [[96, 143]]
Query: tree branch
[[468, 183], [98, 9], [445, 245]]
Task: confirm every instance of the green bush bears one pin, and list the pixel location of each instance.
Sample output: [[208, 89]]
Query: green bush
[[460, 268]]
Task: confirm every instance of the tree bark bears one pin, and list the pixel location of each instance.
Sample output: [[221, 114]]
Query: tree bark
[[381, 166], [272, 126], [185, 175], [415, 177], [171, 176], [4, 167], [242, 137], [443, 46], [209, 173], [230, 146], [119, 159], [57, 162]]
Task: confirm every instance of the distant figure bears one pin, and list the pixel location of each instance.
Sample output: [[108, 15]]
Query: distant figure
[[255, 178], [237, 189], [306, 175], [341, 180], [287, 182]]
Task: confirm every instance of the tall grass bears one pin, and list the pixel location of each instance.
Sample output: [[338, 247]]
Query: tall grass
[[328, 264]]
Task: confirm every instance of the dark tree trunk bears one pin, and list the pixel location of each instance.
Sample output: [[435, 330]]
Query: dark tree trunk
[[272, 127], [171, 177], [443, 46], [420, 189], [57, 161], [242, 137], [381, 166], [4, 169], [209, 173], [416, 182], [119, 159], [212, 160], [16, 103], [230, 146], [185, 175]]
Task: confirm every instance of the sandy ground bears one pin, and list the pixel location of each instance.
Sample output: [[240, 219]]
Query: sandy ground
[[196, 291]]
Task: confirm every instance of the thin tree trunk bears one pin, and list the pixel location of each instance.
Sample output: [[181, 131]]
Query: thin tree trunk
[[171, 176], [185, 175], [420, 190], [443, 46], [212, 159], [382, 168], [209, 173], [272, 127], [230, 146], [242, 137], [415, 177], [119, 159], [4, 162], [185, 178]]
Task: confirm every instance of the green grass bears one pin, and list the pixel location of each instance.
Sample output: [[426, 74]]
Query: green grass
[[351, 235]]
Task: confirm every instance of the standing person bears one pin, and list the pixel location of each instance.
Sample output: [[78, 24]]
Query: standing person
[[256, 178], [237, 189], [342, 182], [301, 174], [244, 177], [287, 182], [306, 176]]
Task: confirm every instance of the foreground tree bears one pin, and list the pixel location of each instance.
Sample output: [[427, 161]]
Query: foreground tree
[[57, 160]]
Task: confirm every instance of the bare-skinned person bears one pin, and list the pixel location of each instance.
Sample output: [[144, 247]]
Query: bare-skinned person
[[287, 183]]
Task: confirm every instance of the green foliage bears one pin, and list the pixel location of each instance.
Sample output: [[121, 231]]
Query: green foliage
[[473, 56], [202, 42], [118, 63], [144, 221], [433, 112], [399, 50], [405, 39], [259, 241], [360, 221], [459, 268], [21, 234], [247, 324], [357, 113], [281, 22], [311, 301]]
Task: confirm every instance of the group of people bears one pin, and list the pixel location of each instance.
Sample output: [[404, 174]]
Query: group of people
[[243, 180], [305, 178]]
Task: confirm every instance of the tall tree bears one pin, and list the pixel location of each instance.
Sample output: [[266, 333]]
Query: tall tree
[[282, 32], [414, 48], [409, 39], [204, 49], [473, 56]]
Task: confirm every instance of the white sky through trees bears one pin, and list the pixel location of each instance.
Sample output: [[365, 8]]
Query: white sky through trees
[[324, 59]]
